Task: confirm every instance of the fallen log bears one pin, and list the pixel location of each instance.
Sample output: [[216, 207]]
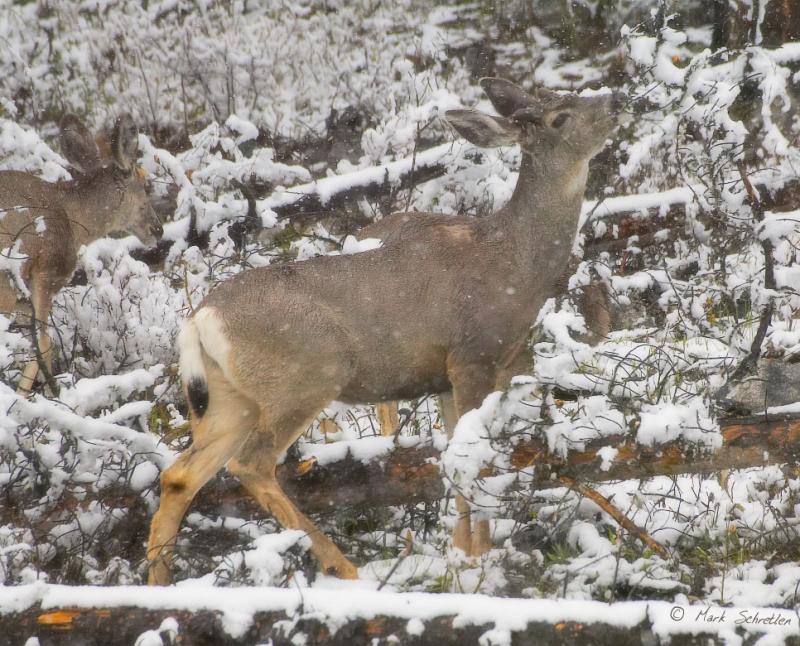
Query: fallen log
[[89, 626], [322, 198], [102, 626], [629, 220], [634, 215], [411, 475], [637, 220]]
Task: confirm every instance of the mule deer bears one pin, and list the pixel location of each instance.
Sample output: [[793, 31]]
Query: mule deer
[[444, 306], [44, 224]]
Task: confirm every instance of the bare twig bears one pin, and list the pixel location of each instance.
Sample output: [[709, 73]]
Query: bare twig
[[607, 506], [750, 362]]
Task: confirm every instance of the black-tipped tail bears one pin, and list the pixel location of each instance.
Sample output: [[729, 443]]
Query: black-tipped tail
[[197, 392]]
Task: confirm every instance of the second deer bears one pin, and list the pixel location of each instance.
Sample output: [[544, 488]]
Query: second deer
[[443, 307], [44, 224]]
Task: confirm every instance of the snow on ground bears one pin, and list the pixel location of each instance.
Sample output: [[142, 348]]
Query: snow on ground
[[80, 471]]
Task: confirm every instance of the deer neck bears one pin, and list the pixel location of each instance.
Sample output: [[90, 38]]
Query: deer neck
[[88, 203], [541, 218]]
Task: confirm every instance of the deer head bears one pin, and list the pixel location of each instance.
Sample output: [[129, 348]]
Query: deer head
[[120, 184], [552, 126]]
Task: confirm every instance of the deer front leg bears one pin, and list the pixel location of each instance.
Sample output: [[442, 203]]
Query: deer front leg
[[41, 302], [470, 385], [388, 421]]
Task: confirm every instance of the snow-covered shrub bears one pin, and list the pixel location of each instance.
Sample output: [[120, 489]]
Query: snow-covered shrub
[[282, 65]]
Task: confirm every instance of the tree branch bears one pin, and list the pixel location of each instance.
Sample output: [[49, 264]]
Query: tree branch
[[750, 363]]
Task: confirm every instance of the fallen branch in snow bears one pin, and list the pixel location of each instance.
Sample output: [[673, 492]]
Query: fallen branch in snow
[[636, 220], [632, 220], [320, 199], [408, 475], [621, 519]]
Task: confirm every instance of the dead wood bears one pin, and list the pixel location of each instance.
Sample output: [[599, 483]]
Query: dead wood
[[625, 228], [123, 625], [411, 475], [622, 520]]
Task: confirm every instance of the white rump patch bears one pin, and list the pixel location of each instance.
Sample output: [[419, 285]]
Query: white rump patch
[[191, 356], [212, 335]]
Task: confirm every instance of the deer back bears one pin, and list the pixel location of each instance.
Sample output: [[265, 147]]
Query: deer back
[[390, 323]]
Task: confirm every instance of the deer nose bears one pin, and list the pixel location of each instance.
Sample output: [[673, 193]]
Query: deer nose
[[157, 230], [618, 102]]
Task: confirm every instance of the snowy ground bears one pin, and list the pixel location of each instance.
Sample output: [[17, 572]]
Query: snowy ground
[[80, 472], [506, 616]]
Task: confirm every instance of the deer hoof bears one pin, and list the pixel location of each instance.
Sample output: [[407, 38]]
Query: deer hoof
[[159, 573], [343, 570]]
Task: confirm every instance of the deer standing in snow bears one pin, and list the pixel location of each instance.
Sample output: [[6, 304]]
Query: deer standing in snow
[[44, 224], [444, 306]]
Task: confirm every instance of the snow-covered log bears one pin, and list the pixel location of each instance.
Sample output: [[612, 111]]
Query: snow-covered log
[[410, 475], [623, 218], [100, 626], [645, 220], [56, 614], [322, 197]]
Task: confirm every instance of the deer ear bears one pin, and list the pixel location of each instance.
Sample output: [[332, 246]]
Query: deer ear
[[124, 142], [482, 129], [506, 97], [77, 144]]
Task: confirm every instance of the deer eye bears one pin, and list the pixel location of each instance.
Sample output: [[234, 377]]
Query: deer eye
[[560, 120]]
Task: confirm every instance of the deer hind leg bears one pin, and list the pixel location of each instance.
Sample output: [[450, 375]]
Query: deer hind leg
[[217, 436], [41, 302], [388, 420], [462, 534], [255, 467]]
